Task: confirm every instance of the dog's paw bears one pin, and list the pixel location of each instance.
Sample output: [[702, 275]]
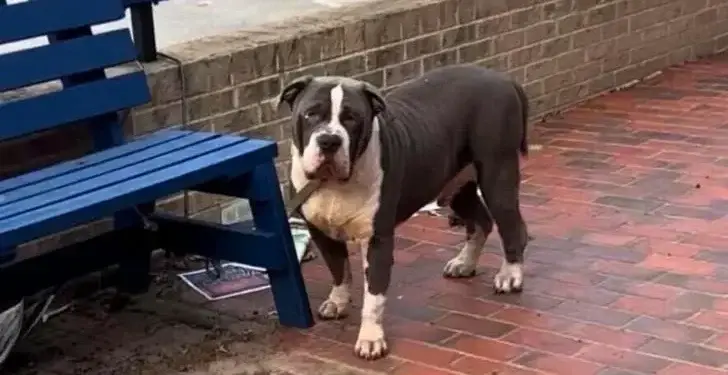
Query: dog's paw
[[509, 278], [330, 310], [371, 344], [459, 267]]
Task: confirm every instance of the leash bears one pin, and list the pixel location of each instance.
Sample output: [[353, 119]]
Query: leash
[[301, 197]]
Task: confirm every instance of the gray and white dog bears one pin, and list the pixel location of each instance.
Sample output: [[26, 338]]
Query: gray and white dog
[[380, 159]]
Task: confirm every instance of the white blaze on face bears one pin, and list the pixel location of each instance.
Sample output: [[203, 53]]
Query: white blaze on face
[[312, 155]]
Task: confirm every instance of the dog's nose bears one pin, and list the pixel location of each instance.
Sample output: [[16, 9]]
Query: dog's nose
[[329, 143]]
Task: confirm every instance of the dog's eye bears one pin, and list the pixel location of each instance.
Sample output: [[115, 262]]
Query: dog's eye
[[310, 114], [346, 117]]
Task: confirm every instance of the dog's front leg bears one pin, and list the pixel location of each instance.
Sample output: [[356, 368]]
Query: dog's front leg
[[336, 257], [377, 260]]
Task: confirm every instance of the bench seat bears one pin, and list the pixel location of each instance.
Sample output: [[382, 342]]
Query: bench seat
[[53, 199]]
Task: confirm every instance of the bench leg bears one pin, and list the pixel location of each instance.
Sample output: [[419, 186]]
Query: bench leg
[[269, 214], [135, 265]]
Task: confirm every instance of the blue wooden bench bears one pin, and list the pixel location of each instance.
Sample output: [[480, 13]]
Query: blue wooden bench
[[123, 179]]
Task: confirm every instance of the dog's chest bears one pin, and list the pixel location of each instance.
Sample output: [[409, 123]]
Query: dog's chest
[[345, 215]]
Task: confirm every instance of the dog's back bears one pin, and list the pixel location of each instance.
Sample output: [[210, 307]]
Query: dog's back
[[434, 122]]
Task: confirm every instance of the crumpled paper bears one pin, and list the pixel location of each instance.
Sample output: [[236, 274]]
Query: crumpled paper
[[11, 322]]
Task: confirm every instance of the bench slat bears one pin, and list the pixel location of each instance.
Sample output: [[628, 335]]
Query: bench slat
[[118, 192], [103, 177], [64, 58], [36, 18], [88, 161], [60, 182], [75, 103]]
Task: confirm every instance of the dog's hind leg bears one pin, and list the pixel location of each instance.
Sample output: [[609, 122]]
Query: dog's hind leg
[[468, 207], [336, 256], [499, 182]]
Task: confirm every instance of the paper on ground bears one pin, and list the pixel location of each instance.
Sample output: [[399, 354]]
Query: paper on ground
[[240, 279]]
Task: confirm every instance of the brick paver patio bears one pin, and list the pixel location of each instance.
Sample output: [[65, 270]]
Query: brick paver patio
[[627, 274]]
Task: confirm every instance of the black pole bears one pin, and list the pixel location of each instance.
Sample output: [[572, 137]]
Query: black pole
[[142, 24]]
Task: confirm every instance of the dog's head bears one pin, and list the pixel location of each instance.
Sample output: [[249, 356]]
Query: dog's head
[[332, 122]]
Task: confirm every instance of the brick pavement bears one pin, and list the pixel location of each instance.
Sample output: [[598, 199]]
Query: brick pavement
[[627, 274]]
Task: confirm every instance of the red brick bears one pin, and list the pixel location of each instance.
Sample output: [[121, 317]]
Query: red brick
[[572, 291], [650, 290], [686, 352], [410, 368], [421, 353], [668, 248], [607, 239], [418, 331], [556, 364], [478, 366], [628, 270], [533, 319], [686, 369], [484, 347], [669, 330], [593, 314], [623, 359], [607, 335], [465, 305], [713, 319], [417, 233], [545, 341], [678, 265], [651, 307], [720, 342], [476, 326]]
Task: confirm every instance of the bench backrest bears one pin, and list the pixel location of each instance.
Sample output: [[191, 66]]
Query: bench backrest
[[77, 58]]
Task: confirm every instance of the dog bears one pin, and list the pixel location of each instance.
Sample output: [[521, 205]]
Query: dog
[[380, 159]]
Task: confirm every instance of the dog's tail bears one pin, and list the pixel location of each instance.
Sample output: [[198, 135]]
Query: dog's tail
[[523, 98]]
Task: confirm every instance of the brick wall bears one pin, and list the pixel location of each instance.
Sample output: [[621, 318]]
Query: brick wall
[[563, 51]]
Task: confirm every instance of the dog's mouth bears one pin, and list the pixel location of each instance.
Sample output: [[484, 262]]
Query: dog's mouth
[[328, 169]]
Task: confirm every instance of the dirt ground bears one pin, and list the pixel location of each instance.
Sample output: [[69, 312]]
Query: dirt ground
[[170, 330]]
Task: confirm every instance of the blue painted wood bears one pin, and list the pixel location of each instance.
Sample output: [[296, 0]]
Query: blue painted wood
[[98, 178], [266, 202], [235, 243], [133, 163], [64, 58], [115, 193], [107, 130], [77, 103], [140, 145], [37, 18]]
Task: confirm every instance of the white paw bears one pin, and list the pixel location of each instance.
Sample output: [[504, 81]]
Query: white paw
[[371, 344], [330, 310], [459, 267], [509, 278]]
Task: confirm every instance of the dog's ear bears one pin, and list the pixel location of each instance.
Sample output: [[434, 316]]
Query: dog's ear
[[291, 91], [375, 97]]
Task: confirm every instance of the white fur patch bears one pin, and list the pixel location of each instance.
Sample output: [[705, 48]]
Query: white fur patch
[[464, 264], [337, 303], [509, 278], [371, 343], [312, 156]]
